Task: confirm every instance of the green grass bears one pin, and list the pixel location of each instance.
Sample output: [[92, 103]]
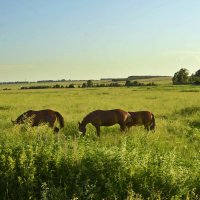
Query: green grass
[[36, 164]]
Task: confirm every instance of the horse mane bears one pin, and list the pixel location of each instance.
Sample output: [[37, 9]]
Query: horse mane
[[86, 118], [84, 121], [20, 118]]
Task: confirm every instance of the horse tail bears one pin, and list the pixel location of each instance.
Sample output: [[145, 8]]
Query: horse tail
[[153, 124], [60, 119]]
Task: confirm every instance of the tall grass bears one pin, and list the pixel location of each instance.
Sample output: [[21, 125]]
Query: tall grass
[[37, 164]]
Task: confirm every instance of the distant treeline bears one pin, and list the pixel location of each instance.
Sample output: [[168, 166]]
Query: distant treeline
[[35, 87], [128, 83], [144, 77], [47, 86], [64, 80], [90, 84], [132, 78], [50, 81], [136, 83], [17, 82], [41, 81]]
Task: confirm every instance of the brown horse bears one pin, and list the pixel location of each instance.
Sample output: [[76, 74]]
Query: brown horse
[[42, 116], [145, 118], [105, 118]]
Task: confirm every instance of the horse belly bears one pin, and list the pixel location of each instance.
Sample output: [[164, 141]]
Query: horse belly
[[137, 120], [107, 122], [44, 119]]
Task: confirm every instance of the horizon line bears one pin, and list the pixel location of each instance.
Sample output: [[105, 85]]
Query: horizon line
[[70, 80]]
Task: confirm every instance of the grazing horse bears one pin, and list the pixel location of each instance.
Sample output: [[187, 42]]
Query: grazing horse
[[41, 116], [145, 118], [105, 118]]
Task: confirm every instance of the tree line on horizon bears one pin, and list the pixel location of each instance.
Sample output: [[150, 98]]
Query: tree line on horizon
[[182, 77], [89, 84]]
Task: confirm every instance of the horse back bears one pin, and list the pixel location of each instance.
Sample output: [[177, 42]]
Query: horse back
[[37, 117], [106, 117], [123, 116], [44, 116]]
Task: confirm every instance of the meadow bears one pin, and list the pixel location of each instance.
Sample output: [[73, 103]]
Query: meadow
[[35, 163]]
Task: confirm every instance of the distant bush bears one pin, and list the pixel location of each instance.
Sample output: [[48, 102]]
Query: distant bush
[[195, 78], [102, 85], [84, 85], [151, 84], [57, 86], [114, 84], [71, 85], [136, 83], [197, 82], [89, 83], [128, 83]]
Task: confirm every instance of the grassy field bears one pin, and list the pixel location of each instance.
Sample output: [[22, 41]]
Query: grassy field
[[36, 164]]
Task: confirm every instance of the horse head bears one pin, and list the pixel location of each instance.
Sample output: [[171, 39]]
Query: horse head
[[13, 122]]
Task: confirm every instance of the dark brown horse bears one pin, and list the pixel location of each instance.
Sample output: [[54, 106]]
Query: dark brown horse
[[41, 116], [105, 118], [140, 118]]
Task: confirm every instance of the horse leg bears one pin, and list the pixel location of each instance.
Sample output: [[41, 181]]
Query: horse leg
[[51, 125], [146, 127], [98, 130], [128, 127], [122, 127]]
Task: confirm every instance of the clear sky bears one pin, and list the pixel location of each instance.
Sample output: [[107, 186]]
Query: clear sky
[[93, 39]]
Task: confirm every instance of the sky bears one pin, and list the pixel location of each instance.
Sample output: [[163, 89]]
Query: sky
[[87, 39]]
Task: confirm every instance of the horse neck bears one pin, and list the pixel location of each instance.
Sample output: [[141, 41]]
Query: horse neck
[[20, 117], [86, 120]]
